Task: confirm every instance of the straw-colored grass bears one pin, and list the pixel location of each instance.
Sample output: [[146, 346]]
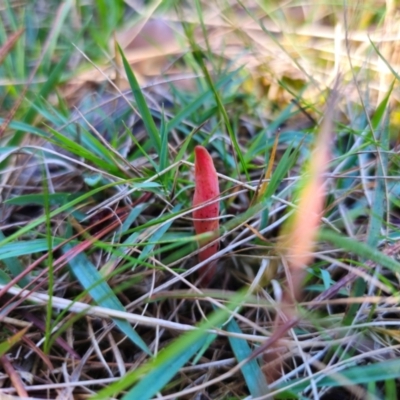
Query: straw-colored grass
[[102, 105]]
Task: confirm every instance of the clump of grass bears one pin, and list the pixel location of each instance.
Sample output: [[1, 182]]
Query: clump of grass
[[99, 265]]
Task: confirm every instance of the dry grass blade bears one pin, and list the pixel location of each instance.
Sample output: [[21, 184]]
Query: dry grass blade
[[109, 238], [297, 240], [14, 376], [9, 44]]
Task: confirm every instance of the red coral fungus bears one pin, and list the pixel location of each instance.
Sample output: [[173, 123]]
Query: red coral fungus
[[206, 218]]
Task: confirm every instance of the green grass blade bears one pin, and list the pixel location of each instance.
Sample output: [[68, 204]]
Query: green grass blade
[[359, 375], [391, 391], [225, 117], [55, 199], [11, 341], [156, 237], [22, 126], [13, 264], [378, 206], [142, 105], [22, 248], [359, 248], [50, 267], [164, 150], [159, 376], [254, 377], [199, 101], [157, 372], [198, 54], [49, 85], [81, 151], [56, 29], [91, 280]]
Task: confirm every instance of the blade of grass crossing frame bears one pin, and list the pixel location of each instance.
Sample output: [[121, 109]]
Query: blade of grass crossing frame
[[254, 377], [140, 148], [391, 391], [226, 121], [182, 151], [55, 199], [206, 345], [133, 214], [24, 247], [142, 105], [392, 70], [91, 280]]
